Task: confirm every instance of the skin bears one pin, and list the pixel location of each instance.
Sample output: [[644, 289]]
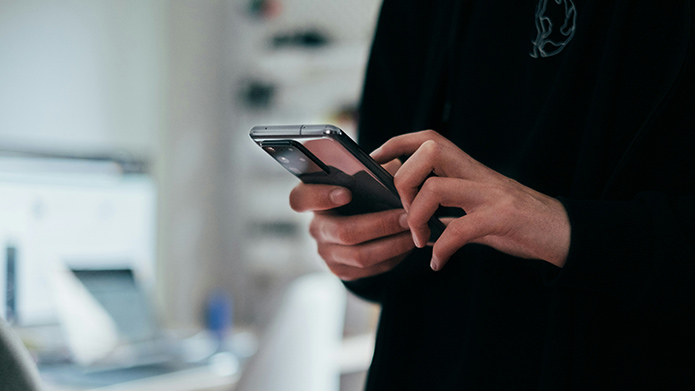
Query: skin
[[500, 212]]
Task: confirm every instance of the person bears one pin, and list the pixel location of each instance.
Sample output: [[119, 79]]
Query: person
[[560, 142]]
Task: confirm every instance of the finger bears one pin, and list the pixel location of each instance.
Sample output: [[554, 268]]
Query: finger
[[458, 233], [405, 144], [436, 191], [366, 255], [421, 164], [304, 198], [349, 273], [458, 163], [447, 220], [393, 166], [357, 229]]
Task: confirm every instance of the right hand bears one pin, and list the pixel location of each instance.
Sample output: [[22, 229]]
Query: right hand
[[356, 246]]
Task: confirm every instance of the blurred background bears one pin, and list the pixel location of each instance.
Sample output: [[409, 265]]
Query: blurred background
[[137, 218]]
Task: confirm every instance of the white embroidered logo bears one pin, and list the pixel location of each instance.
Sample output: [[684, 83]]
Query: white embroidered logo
[[550, 41]]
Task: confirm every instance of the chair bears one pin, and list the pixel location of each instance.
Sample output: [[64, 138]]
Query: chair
[[298, 351], [17, 370]]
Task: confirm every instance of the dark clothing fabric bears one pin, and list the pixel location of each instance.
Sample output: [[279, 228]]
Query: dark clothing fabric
[[605, 124]]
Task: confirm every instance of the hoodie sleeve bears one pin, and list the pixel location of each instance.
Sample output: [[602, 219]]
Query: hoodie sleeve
[[636, 243]]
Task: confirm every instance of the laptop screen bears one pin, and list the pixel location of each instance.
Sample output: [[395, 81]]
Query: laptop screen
[[119, 293]]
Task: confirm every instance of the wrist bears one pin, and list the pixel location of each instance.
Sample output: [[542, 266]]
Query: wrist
[[558, 234]]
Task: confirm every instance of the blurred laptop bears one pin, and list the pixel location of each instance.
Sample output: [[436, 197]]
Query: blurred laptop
[[143, 350], [126, 302]]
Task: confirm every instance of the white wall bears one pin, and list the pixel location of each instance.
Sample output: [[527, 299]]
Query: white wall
[[81, 76], [160, 80]]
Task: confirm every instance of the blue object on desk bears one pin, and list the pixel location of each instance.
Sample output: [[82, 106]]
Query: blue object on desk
[[219, 316]]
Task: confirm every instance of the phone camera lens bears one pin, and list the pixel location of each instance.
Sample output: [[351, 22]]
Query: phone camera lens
[[270, 149], [283, 159]]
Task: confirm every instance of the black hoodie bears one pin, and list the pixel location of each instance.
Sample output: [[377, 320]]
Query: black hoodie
[[589, 101]]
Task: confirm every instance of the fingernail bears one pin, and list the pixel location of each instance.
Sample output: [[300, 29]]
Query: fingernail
[[434, 264], [376, 151], [340, 196], [403, 220]]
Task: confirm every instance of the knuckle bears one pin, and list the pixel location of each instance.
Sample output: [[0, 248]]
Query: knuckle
[[333, 229], [345, 263], [413, 220], [358, 259], [398, 180], [315, 228], [294, 200], [430, 133], [345, 235], [458, 228], [340, 271], [325, 254], [432, 149], [507, 204], [431, 185], [354, 256]]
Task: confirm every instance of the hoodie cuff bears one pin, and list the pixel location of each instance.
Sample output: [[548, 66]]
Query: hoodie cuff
[[611, 244]]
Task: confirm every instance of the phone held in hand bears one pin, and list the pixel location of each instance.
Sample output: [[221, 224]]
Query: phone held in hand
[[324, 154]]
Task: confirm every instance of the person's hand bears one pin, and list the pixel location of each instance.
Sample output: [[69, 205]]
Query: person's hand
[[500, 212], [353, 246]]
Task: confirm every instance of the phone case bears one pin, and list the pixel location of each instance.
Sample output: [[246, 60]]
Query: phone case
[[324, 154]]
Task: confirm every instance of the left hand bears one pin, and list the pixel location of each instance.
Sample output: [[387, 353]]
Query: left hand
[[500, 212]]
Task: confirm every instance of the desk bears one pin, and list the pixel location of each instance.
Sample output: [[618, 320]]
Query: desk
[[354, 356], [207, 378]]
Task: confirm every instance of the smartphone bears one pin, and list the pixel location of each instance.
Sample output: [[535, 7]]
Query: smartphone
[[324, 154]]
